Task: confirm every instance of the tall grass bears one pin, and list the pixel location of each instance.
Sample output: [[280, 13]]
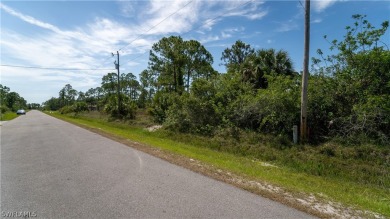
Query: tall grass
[[7, 116]]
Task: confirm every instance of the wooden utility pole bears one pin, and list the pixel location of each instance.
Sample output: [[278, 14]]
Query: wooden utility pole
[[119, 84], [305, 74]]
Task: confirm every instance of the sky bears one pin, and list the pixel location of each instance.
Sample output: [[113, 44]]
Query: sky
[[71, 42]]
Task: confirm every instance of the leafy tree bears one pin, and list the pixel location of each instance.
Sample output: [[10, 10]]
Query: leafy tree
[[52, 104], [265, 62], [14, 101], [33, 106], [92, 98], [235, 56], [174, 64], [67, 95], [110, 83], [147, 83], [130, 86], [361, 71], [166, 60], [175, 61], [10, 100], [4, 90], [81, 96], [198, 63]]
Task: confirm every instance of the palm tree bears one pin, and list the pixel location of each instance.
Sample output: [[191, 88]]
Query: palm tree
[[265, 62]]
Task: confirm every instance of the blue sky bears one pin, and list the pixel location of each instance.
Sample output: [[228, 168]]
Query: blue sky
[[82, 34]]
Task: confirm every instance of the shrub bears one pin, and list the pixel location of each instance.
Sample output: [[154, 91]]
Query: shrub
[[66, 109], [3, 109], [279, 105], [161, 103], [80, 107], [128, 108]]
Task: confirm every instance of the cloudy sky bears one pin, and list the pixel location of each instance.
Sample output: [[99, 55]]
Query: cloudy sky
[[72, 41]]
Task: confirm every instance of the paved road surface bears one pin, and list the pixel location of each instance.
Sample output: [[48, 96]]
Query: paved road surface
[[52, 169]]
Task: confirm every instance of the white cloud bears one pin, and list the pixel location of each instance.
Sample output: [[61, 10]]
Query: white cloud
[[209, 23], [29, 19], [89, 45], [287, 26], [251, 10], [321, 5], [126, 8], [187, 15], [210, 38], [175, 16], [316, 21]]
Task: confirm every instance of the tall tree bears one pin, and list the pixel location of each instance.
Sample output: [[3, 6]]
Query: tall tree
[[235, 56], [52, 104], [4, 90], [109, 83], [172, 59], [130, 86], [68, 94], [81, 96], [166, 60], [14, 101], [147, 89], [198, 63]]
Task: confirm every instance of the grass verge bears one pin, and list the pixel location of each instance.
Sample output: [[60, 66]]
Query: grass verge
[[321, 196], [7, 116]]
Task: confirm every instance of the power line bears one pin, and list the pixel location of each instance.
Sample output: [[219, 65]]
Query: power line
[[139, 36], [219, 16], [156, 25], [208, 21], [56, 68]]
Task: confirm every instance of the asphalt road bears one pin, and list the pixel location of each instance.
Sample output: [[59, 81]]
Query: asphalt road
[[52, 169]]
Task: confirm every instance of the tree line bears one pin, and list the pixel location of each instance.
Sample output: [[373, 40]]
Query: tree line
[[12, 101], [348, 92]]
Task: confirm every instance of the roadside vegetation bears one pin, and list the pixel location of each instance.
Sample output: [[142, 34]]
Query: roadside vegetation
[[239, 119], [348, 181], [7, 116], [10, 102]]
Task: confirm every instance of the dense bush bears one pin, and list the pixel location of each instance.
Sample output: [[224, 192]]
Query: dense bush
[[76, 108], [211, 106], [80, 107], [3, 109], [127, 110], [195, 112], [356, 80], [161, 103], [10, 100], [66, 109]]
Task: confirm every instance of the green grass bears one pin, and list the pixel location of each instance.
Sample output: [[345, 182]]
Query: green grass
[[345, 190], [7, 116]]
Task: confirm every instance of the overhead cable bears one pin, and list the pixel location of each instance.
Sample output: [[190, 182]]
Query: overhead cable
[[56, 68]]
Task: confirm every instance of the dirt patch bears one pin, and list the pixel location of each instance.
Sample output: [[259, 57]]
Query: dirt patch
[[154, 128], [310, 203]]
